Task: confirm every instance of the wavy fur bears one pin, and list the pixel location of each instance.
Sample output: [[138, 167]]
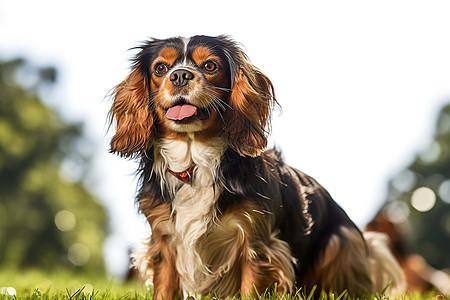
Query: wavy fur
[[244, 218], [134, 119]]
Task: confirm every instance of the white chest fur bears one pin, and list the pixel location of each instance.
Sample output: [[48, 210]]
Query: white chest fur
[[193, 204]]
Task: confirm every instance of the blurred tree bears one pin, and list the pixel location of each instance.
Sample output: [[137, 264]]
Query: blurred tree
[[420, 194], [46, 219]]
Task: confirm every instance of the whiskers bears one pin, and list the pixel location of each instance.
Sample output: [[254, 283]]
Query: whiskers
[[216, 103], [211, 99], [152, 96]]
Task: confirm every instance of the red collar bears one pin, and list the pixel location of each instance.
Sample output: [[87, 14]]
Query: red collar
[[185, 176]]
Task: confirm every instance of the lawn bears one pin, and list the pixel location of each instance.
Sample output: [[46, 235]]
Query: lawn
[[35, 285], [63, 285]]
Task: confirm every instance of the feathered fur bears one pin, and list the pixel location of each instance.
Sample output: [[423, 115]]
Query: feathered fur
[[244, 219]]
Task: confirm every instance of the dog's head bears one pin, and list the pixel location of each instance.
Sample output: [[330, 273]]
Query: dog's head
[[200, 85]]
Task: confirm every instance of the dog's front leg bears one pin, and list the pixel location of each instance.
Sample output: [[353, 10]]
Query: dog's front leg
[[166, 280], [272, 266], [250, 281]]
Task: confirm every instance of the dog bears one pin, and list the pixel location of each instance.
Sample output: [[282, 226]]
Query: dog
[[227, 215], [419, 275]]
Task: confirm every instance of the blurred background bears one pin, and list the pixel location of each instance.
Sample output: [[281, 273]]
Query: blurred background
[[364, 89]]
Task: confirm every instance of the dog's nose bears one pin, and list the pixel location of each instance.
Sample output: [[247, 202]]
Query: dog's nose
[[181, 77]]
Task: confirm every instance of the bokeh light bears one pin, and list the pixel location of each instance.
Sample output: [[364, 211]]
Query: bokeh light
[[404, 181], [444, 191], [397, 212], [79, 254], [88, 288], [8, 291], [423, 199], [431, 154], [65, 220]]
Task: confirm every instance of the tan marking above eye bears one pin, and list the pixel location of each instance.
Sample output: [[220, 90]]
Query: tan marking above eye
[[201, 54], [203, 57], [167, 57], [169, 54]]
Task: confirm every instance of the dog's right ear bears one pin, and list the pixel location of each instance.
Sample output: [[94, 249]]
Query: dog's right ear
[[133, 117]]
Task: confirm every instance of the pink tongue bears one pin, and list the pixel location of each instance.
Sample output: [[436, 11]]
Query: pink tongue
[[180, 112]]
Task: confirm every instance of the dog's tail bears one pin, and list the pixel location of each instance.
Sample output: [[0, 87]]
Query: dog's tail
[[387, 275]]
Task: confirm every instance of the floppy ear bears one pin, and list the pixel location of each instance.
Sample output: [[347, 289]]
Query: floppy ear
[[251, 101], [133, 116]]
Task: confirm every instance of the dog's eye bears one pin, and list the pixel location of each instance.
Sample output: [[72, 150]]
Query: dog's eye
[[161, 68], [210, 66]]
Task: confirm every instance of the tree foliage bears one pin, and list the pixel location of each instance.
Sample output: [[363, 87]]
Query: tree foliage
[[420, 194], [46, 219]]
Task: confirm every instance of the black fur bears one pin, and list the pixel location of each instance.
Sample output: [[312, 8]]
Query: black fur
[[295, 206], [222, 46], [304, 220]]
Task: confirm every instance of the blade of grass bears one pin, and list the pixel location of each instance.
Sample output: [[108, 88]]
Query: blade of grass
[[311, 294], [256, 291], [342, 295], [386, 287]]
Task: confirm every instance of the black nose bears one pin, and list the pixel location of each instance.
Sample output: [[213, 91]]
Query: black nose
[[181, 77]]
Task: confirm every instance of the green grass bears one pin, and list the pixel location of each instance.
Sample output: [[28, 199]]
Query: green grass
[[62, 285], [34, 285]]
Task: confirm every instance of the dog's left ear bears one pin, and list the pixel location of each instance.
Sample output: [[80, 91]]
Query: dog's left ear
[[134, 119], [251, 100]]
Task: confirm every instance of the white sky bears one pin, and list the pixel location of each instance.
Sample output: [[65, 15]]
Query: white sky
[[360, 82]]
